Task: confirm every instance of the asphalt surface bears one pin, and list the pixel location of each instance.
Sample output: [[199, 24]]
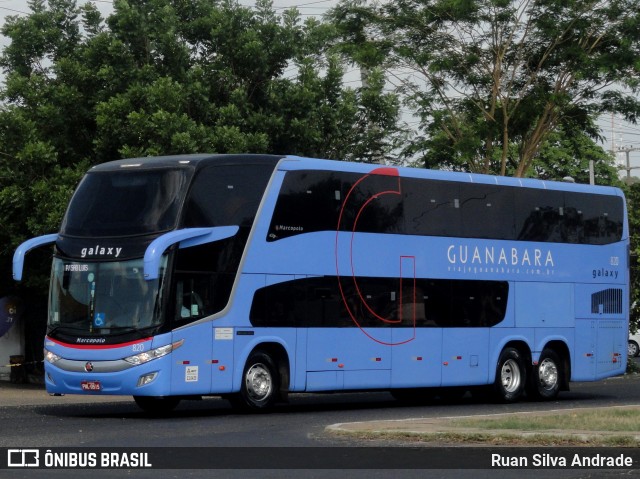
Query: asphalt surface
[[16, 395]]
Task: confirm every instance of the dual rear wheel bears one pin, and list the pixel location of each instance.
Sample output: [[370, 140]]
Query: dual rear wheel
[[512, 381]]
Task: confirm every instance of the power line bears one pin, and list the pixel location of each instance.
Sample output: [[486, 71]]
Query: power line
[[14, 10]]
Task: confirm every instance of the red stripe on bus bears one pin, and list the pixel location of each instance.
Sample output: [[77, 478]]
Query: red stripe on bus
[[98, 346]]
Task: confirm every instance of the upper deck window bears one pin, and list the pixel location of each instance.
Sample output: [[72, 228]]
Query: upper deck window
[[226, 195], [126, 203], [312, 201]]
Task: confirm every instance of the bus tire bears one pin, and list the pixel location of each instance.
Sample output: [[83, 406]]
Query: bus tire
[[157, 405], [260, 383], [511, 376], [546, 376]]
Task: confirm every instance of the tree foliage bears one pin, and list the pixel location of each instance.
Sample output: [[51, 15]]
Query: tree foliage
[[166, 77], [492, 80], [633, 200]]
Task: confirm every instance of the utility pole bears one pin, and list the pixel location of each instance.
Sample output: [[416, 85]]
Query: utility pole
[[627, 150]]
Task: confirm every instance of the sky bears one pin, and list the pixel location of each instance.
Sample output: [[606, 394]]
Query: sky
[[618, 134]]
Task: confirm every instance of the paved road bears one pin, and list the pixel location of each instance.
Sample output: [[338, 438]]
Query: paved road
[[49, 422]]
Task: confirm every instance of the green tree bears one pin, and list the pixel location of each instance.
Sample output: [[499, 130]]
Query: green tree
[[46, 128], [491, 80], [368, 51], [567, 155], [633, 207], [166, 77]]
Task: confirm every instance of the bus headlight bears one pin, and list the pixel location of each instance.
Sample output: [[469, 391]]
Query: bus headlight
[[51, 357], [152, 354]]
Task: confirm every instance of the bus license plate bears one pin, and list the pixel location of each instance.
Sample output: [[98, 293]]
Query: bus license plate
[[91, 385]]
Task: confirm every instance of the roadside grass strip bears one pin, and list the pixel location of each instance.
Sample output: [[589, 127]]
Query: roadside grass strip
[[614, 426]]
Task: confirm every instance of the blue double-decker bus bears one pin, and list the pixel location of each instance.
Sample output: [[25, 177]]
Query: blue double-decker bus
[[255, 276]]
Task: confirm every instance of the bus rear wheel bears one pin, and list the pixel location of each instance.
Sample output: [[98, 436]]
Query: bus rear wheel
[[511, 376], [260, 384], [546, 376], [157, 404]]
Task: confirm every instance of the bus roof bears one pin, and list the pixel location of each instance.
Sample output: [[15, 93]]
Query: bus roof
[[292, 162], [301, 163], [195, 160]]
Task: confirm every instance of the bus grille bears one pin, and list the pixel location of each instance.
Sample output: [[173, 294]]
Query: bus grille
[[608, 301]]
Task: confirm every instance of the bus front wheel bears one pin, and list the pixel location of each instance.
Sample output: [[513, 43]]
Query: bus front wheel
[[546, 376], [511, 376], [260, 383], [156, 404]]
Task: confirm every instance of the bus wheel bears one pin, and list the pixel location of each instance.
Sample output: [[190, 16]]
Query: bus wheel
[[545, 377], [510, 376], [157, 404], [260, 383]]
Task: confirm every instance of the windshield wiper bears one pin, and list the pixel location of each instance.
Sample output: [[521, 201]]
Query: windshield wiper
[[53, 329]]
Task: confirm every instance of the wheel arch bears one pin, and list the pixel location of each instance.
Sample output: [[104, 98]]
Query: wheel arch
[[517, 343], [278, 353]]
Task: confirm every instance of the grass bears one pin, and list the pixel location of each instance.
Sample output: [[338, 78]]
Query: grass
[[504, 439], [619, 427], [609, 420]]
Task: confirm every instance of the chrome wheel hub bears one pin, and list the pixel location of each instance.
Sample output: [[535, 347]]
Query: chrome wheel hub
[[548, 374], [259, 382], [510, 376]]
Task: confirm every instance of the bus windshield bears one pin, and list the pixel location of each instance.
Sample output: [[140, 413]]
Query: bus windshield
[[126, 203], [103, 298]]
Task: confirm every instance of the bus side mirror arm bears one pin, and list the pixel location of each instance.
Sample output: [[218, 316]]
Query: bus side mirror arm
[[24, 248], [186, 237]]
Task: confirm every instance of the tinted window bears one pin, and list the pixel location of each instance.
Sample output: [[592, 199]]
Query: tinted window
[[308, 201], [126, 203], [220, 196], [432, 208], [593, 219], [487, 211], [373, 204], [204, 277], [539, 215], [316, 201], [226, 195], [379, 302]]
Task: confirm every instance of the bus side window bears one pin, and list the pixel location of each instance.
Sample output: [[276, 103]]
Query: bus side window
[[226, 195], [200, 287], [374, 205], [431, 207], [487, 211], [192, 293], [308, 201], [599, 220], [539, 217]]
